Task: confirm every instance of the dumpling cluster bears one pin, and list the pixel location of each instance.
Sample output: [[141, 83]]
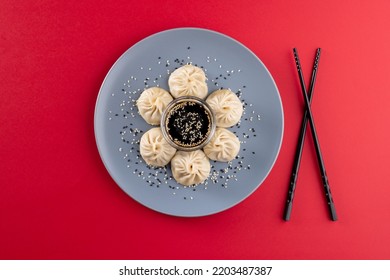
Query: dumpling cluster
[[189, 168]]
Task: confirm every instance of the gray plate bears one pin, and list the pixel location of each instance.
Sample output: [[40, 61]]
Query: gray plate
[[227, 64]]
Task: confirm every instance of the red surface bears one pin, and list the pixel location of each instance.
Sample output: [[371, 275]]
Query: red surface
[[58, 202]]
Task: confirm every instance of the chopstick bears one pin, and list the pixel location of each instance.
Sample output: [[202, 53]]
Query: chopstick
[[301, 140], [309, 115]]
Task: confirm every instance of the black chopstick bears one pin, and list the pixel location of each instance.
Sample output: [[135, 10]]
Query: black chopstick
[[301, 140], [324, 177]]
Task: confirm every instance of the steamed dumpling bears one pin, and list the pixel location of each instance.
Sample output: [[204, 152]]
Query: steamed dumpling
[[154, 149], [226, 106], [188, 80], [223, 146], [190, 168], [152, 103]]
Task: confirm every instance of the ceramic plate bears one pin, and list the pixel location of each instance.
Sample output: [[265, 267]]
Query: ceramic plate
[[227, 64]]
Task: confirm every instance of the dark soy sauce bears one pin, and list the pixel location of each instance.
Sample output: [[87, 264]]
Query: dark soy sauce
[[188, 124]]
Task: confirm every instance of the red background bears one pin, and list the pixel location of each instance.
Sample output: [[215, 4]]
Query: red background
[[57, 201]]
